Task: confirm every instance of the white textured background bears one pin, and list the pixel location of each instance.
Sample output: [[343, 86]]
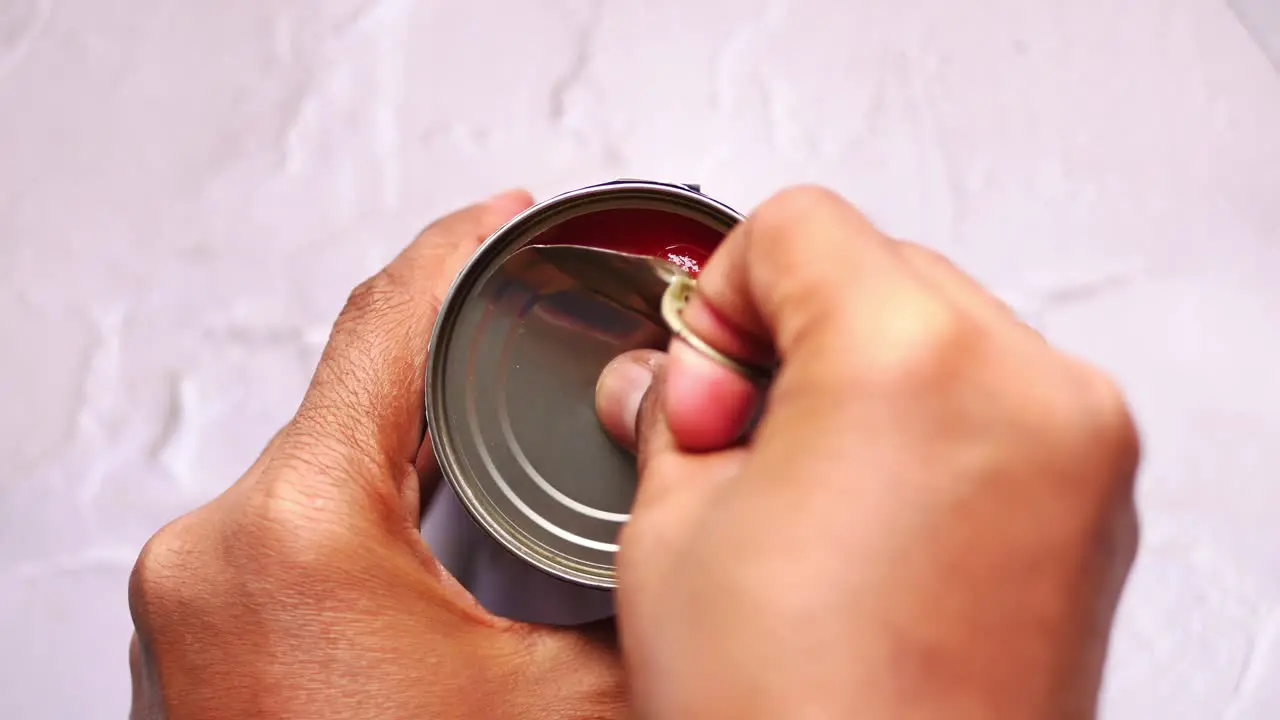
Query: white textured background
[[188, 190]]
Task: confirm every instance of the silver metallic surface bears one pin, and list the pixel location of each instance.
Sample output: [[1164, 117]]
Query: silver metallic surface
[[514, 360], [651, 287], [503, 583], [634, 282]]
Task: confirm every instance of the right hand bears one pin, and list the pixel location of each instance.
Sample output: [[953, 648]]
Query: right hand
[[934, 518]]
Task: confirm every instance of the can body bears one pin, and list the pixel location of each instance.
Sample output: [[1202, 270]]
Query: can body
[[514, 358]]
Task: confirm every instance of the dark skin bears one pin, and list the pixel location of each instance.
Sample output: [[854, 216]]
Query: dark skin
[[934, 519], [306, 591]]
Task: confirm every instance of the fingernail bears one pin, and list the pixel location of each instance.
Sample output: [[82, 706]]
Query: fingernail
[[619, 392]]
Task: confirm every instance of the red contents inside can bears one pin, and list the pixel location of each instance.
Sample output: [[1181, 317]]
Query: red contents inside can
[[640, 231]]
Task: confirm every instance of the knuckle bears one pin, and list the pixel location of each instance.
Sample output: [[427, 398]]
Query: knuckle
[[1110, 425], [795, 244], [924, 255], [327, 429], [377, 332], [311, 502], [784, 207], [799, 244], [1108, 482], [920, 343], [165, 570], [385, 295], [287, 528], [1085, 425], [791, 213], [1126, 534], [297, 505], [293, 518]]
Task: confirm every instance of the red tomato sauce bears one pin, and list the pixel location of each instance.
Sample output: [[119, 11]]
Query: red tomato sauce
[[682, 241]]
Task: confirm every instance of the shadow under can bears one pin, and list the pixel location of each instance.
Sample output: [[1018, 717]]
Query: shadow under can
[[504, 584]]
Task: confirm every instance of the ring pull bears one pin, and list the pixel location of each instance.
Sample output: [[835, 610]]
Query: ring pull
[[674, 300]]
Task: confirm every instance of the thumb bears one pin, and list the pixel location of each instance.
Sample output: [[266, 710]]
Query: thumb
[[627, 403], [645, 398], [633, 396]]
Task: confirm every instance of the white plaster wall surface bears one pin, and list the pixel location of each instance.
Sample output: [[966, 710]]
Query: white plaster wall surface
[[188, 190]]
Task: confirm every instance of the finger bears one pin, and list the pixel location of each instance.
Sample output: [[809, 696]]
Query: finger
[[668, 477], [653, 437], [707, 405], [807, 275], [780, 276], [363, 413], [962, 289], [955, 284], [622, 386], [627, 403]]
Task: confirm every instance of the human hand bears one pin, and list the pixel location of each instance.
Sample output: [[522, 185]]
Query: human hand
[[305, 590], [933, 519]]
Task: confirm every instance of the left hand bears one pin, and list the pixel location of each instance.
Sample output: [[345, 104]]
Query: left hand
[[306, 591]]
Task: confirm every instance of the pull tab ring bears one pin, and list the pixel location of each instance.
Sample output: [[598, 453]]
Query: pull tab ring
[[674, 300]]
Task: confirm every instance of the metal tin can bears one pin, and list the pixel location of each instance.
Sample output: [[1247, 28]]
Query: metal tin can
[[514, 360]]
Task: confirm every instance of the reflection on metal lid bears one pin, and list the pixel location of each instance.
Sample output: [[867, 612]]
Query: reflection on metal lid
[[515, 356]]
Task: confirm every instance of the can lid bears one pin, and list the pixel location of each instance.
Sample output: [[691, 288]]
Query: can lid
[[514, 360]]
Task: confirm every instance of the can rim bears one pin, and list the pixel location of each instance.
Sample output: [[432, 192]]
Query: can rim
[[491, 520]]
